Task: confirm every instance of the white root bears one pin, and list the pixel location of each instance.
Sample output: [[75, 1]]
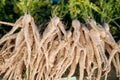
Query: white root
[[27, 54], [97, 40], [90, 52], [76, 36]]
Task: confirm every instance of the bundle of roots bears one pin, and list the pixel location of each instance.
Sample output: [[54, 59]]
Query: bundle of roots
[[26, 54]]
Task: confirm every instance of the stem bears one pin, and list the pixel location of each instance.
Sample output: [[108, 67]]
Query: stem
[[7, 23]]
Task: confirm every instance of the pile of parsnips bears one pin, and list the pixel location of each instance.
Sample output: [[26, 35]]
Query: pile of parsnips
[[26, 54]]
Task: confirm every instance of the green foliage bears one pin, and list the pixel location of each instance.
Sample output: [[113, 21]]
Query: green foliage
[[30, 6], [2, 3], [39, 9], [101, 10], [60, 9]]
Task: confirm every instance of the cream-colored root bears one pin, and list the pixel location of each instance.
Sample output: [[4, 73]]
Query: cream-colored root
[[28, 54]]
